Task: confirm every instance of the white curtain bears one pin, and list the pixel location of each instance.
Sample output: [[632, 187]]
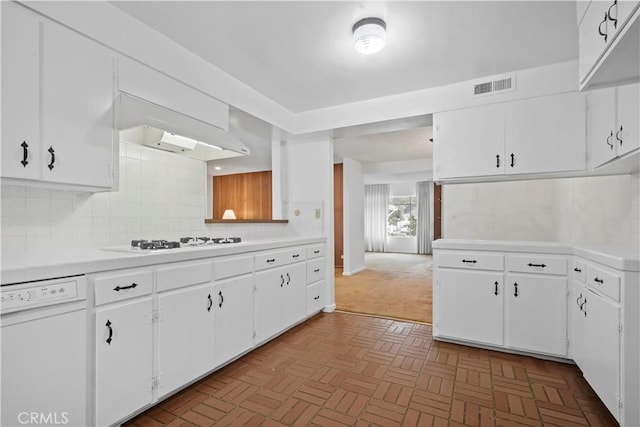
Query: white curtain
[[423, 231], [376, 209]]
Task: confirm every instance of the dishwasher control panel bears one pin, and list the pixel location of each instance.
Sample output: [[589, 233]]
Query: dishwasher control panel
[[39, 294]]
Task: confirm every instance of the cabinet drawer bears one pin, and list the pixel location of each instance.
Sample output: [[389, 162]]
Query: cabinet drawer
[[280, 257], [183, 274], [118, 286], [315, 297], [470, 260], [540, 264], [604, 281], [579, 270], [233, 266], [315, 251], [315, 270]]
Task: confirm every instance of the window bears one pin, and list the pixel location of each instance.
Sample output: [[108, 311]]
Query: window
[[402, 216]]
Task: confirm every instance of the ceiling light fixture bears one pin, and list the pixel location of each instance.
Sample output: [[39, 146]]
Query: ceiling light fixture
[[369, 35]]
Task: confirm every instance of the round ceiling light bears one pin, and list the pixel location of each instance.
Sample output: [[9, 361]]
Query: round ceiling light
[[369, 35]]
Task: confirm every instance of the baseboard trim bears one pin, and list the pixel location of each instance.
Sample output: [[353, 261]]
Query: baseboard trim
[[351, 273], [329, 308]]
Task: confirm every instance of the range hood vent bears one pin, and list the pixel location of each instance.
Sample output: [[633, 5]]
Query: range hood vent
[[143, 122]]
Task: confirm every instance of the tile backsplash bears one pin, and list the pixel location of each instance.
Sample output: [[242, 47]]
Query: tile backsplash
[[161, 195]]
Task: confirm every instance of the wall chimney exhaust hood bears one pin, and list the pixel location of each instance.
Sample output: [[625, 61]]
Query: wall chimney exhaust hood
[[143, 122]]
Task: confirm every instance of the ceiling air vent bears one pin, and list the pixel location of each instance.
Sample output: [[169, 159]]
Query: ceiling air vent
[[501, 85], [481, 88]]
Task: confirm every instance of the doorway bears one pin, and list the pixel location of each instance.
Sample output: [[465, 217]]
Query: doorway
[[391, 285]]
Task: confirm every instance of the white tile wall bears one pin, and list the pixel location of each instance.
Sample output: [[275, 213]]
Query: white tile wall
[[161, 195]]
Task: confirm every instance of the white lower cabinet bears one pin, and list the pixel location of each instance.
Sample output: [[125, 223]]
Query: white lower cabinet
[[519, 305], [600, 350], [604, 338], [186, 336], [280, 299], [233, 306], [536, 313], [124, 359], [316, 267], [469, 306], [159, 328]]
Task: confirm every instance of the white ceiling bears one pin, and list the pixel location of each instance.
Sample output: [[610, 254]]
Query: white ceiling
[[300, 53]]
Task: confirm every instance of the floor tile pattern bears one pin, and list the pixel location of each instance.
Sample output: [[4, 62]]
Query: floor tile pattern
[[347, 369]]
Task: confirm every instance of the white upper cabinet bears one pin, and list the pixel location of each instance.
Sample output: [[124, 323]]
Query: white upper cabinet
[[628, 118], [545, 134], [469, 142], [612, 123], [531, 136], [609, 45], [20, 90], [57, 104], [77, 109]]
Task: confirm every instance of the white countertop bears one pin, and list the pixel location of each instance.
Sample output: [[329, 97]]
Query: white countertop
[[617, 257], [72, 263]]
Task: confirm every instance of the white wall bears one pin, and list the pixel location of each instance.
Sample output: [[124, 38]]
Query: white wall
[[161, 195], [592, 211], [353, 205], [600, 211], [307, 187]]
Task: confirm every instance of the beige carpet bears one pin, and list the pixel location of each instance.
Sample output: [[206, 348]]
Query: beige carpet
[[396, 286]]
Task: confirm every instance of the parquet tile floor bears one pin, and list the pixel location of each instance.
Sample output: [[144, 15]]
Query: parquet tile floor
[[347, 369]]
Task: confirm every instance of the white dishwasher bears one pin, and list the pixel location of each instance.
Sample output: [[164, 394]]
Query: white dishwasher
[[44, 350]]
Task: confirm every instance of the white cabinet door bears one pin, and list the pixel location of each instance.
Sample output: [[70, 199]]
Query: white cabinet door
[[280, 299], [469, 142], [270, 301], [20, 92], [627, 132], [186, 336], [601, 118], [536, 313], [296, 293], [601, 362], [124, 360], [77, 109], [545, 134], [577, 333], [234, 317], [469, 306], [591, 40]]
